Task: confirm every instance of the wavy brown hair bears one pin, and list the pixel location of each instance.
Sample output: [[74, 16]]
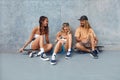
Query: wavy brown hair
[[43, 29], [87, 25]]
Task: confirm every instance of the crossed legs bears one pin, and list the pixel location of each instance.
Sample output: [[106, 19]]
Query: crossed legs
[[38, 43]]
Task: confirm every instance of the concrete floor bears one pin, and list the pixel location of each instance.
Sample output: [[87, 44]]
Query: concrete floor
[[14, 66]]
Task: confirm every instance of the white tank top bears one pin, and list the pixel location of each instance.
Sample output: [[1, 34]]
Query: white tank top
[[36, 35]]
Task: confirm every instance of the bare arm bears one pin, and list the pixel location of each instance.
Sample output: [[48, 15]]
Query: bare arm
[[95, 37], [58, 36], [28, 41], [78, 39], [77, 35], [47, 38]]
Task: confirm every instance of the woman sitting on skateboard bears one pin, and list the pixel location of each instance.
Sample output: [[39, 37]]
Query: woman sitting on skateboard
[[36, 39], [63, 39]]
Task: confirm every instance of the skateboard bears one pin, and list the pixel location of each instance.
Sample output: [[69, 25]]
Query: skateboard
[[28, 51], [99, 48]]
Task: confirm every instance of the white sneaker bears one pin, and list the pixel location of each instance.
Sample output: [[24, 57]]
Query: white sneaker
[[68, 55], [44, 57], [53, 62], [38, 54], [31, 55]]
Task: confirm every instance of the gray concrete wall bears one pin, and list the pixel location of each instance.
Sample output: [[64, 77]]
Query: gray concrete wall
[[18, 17]]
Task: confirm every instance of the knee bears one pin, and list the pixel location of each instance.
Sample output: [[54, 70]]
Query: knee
[[59, 42], [77, 45], [50, 46]]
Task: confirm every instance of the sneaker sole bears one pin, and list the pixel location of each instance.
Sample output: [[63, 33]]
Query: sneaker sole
[[53, 63], [30, 55], [67, 57], [93, 56], [47, 59], [37, 55]]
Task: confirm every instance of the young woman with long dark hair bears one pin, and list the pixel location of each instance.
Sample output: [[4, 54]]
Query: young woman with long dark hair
[[36, 39]]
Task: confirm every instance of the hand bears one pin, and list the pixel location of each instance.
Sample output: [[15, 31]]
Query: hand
[[63, 41], [56, 40], [21, 50]]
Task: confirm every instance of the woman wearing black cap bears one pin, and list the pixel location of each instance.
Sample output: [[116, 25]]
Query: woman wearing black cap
[[86, 37]]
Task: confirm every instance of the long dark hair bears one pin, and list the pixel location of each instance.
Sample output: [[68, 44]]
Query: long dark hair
[[43, 29]]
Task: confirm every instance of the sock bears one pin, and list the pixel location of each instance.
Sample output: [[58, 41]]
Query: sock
[[53, 56], [41, 51], [69, 49]]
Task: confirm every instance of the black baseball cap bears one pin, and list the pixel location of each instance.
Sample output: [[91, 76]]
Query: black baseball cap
[[83, 18]]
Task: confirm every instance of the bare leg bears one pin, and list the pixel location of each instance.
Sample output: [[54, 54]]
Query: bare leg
[[47, 47], [69, 41], [58, 47], [41, 41], [92, 41], [68, 45], [81, 47], [36, 45], [41, 53], [56, 50], [93, 44]]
